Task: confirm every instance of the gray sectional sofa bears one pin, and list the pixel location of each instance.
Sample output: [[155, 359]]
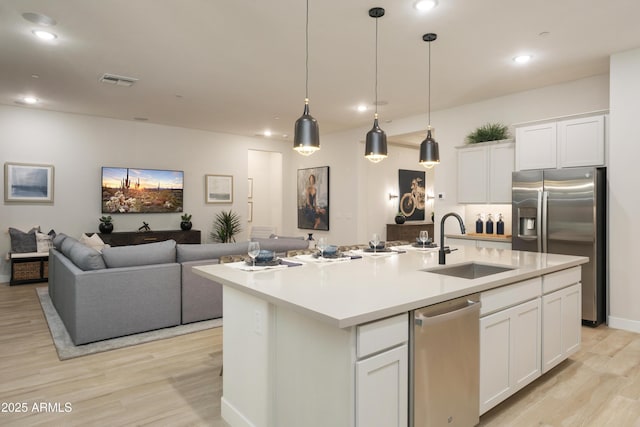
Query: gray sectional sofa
[[131, 289]]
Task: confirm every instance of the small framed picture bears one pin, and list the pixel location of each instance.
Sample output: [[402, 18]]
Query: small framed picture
[[249, 211], [250, 187], [218, 188], [28, 183]]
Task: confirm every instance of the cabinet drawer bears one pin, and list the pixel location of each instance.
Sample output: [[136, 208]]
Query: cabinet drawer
[[561, 279], [382, 334], [510, 295]]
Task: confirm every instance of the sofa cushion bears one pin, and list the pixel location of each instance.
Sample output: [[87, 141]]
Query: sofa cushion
[[205, 251], [94, 242], [149, 253], [57, 241], [84, 257], [22, 242], [67, 244], [282, 244], [275, 236]]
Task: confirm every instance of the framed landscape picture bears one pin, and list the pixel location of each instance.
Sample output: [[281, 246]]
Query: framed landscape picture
[[28, 183], [313, 198], [218, 188], [411, 185]]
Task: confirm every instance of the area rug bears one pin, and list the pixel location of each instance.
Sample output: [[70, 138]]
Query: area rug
[[67, 350]]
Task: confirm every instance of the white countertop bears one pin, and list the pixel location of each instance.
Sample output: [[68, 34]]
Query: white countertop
[[482, 236], [349, 293]]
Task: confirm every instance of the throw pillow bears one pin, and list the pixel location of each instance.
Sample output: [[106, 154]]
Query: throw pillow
[[22, 242], [149, 253], [44, 242], [94, 242]]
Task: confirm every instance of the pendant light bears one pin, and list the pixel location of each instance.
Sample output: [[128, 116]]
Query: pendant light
[[306, 139], [375, 149], [429, 154]]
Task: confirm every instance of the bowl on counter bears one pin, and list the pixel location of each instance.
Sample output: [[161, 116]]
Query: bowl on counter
[[379, 246], [265, 256]]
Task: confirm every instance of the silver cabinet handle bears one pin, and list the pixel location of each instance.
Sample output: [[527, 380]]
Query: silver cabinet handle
[[422, 320]]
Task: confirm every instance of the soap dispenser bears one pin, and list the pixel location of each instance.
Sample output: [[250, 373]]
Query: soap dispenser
[[489, 225], [479, 225], [500, 225]]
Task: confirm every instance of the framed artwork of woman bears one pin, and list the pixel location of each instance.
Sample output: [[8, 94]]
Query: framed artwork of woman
[[313, 198]]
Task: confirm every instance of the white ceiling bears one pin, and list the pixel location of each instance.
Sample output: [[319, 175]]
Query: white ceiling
[[237, 66]]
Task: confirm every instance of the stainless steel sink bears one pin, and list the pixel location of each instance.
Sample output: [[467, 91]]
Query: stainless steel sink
[[469, 270]]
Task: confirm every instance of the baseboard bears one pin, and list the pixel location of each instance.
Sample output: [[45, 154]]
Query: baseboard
[[625, 324], [232, 416]]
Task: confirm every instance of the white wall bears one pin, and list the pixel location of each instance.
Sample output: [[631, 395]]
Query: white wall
[[79, 145], [624, 202]]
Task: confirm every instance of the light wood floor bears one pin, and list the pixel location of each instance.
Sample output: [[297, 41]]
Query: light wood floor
[[175, 382]]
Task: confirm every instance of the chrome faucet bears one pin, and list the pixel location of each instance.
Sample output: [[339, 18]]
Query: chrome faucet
[[443, 252]]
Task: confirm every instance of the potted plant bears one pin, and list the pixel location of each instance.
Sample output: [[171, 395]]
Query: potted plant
[[106, 226], [185, 224], [225, 226], [488, 132], [400, 218]]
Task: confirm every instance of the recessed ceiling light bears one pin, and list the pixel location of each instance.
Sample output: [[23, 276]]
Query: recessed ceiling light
[[267, 133], [522, 59], [425, 5], [362, 108], [44, 35], [30, 100], [39, 18]]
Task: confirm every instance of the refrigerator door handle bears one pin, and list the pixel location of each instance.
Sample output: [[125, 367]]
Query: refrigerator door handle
[[545, 203], [540, 224]]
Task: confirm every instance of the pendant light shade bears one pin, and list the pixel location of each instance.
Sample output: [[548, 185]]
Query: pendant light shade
[[429, 152], [306, 135], [306, 140], [375, 149]]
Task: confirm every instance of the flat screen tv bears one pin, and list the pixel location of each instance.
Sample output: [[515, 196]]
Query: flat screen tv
[[129, 190]]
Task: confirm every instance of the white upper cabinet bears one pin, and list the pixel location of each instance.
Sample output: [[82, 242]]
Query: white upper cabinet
[[581, 142], [536, 147], [484, 173], [562, 143]]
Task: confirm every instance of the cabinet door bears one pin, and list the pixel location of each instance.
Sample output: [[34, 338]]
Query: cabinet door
[[561, 320], [536, 147], [382, 389], [473, 175], [501, 164], [509, 352], [581, 141]]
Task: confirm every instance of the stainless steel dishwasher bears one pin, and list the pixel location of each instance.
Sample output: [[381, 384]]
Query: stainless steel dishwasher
[[444, 358]]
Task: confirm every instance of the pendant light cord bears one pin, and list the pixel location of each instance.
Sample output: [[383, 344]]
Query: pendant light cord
[[306, 82], [376, 100], [429, 88]]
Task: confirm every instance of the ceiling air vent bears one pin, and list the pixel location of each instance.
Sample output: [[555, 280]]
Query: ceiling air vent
[[117, 80]]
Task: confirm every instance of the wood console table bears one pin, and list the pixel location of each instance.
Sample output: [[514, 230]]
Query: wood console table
[[408, 231], [123, 238]]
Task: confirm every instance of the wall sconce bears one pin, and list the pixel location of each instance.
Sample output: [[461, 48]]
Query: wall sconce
[[392, 196]]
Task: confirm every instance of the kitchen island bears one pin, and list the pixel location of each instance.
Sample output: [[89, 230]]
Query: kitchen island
[[302, 345]]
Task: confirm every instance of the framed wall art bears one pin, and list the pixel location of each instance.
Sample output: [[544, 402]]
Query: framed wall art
[[249, 211], [411, 185], [249, 188], [313, 198], [28, 183], [218, 188], [135, 190]]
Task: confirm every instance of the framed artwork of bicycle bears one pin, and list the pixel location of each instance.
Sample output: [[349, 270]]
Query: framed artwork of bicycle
[[313, 198], [411, 185]]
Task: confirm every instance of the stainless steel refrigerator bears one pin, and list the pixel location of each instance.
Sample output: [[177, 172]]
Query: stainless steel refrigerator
[[563, 211]]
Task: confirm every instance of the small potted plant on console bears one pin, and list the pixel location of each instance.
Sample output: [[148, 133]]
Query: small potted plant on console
[[106, 226], [185, 224]]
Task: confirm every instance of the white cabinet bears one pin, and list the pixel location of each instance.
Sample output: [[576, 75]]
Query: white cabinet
[[561, 143], [484, 173], [509, 352], [562, 314], [382, 373], [382, 389]]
